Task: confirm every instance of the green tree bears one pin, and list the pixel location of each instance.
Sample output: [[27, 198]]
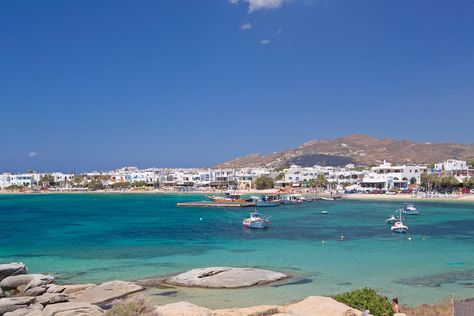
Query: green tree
[[471, 163], [365, 298], [321, 181], [47, 180], [449, 182], [264, 182], [120, 185], [469, 183], [95, 185]]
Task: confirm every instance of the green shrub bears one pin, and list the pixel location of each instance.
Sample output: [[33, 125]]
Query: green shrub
[[137, 305], [365, 298]]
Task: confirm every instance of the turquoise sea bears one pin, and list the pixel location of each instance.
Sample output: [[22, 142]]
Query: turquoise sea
[[100, 237]]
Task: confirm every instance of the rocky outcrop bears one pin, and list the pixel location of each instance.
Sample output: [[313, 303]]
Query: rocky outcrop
[[72, 309], [225, 277], [320, 305], [311, 306], [25, 282], [182, 309], [11, 269], [106, 292], [52, 298], [32, 310], [11, 304]]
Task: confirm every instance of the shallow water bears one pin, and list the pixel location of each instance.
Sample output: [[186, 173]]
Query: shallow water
[[99, 237]]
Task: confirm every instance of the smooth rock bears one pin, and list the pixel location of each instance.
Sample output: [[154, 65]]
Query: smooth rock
[[32, 310], [244, 311], [52, 298], [35, 291], [225, 277], [13, 282], [39, 280], [11, 269], [106, 292], [320, 306], [54, 288], [26, 280], [72, 309], [11, 304], [182, 309], [73, 288]]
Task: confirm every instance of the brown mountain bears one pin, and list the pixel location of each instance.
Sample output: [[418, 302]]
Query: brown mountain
[[358, 149]]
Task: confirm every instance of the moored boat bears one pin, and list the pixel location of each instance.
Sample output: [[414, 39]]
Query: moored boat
[[410, 209], [292, 199], [399, 227], [269, 200], [256, 221]]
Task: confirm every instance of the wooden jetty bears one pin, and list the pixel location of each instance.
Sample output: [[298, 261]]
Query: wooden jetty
[[216, 204]]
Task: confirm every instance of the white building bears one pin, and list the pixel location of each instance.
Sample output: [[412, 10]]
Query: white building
[[453, 167], [387, 177]]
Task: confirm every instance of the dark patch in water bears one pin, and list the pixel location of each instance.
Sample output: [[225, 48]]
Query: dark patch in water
[[295, 282], [241, 250], [437, 280], [167, 293], [344, 283]]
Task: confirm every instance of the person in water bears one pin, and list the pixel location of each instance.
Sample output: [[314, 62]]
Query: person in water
[[396, 308]]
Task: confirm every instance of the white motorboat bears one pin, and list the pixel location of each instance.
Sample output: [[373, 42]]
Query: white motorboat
[[255, 221], [399, 227]]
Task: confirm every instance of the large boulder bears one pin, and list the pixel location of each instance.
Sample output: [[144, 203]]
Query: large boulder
[[72, 309], [25, 281], [320, 306], [106, 292], [10, 269], [32, 310], [225, 277], [182, 309], [69, 288], [52, 298], [11, 304], [35, 291]]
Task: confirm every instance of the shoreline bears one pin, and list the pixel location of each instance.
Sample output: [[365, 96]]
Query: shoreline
[[465, 198]]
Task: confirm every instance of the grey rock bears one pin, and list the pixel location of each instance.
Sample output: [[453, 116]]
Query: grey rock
[[39, 280], [2, 294], [35, 291], [106, 292], [13, 282], [73, 288], [72, 309], [32, 310], [11, 304], [52, 298], [54, 288], [225, 277], [25, 281], [10, 269]]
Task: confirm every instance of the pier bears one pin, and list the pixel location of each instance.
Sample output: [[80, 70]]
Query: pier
[[216, 204]]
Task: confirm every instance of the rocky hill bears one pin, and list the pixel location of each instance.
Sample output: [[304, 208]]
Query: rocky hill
[[357, 149]]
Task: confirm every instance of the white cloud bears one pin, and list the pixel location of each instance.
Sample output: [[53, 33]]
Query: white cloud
[[255, 5], [32, 154], [246, 27], [265, 42]]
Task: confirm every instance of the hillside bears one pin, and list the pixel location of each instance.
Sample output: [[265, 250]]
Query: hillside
[[358, 149]]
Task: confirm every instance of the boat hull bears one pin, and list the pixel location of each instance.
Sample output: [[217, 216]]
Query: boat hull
[[267, 204], [262, 224]]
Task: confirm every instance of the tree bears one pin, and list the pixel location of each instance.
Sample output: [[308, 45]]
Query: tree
[[264, 182], [469, 183], [471, 163], [321, 181], [95, 185], [47, 180], [449, 182]]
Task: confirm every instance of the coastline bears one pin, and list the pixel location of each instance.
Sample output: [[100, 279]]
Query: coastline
[[465, 198]]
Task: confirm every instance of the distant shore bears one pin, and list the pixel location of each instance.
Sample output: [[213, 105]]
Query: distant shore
[[469, 198]]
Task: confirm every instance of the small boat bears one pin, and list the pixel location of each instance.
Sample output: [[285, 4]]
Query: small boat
[[324, 212], [399, 227], [292, 199], [269, 200], [255, 221], [328, 199], [410, 209], [228, 198], [391, 220]]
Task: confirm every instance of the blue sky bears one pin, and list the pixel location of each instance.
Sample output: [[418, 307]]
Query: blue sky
[[89, 84]]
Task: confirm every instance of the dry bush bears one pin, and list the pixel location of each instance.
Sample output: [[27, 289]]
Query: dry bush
[[442, 309], [135, 306]]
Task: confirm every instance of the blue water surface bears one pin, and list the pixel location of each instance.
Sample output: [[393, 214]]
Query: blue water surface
[[100, 237]]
